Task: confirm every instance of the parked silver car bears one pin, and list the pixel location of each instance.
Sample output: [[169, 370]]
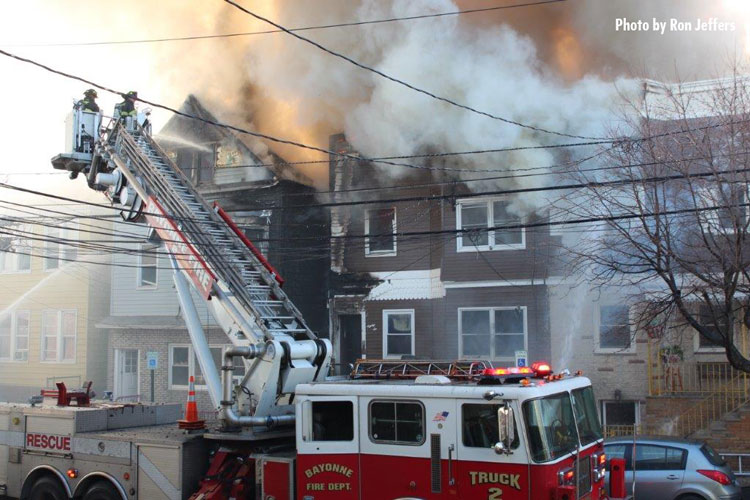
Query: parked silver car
[[669, 468]]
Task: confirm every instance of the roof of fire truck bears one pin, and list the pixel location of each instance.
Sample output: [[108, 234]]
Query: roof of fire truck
[[446, 380]]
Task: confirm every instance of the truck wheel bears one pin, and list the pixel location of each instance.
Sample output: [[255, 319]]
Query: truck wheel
[[102, 490], [47, 488]]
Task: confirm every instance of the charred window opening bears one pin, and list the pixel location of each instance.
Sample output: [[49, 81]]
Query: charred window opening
[[333, 420], [380, 229]]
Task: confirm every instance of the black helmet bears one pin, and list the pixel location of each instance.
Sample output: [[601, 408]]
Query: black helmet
[[132, 93], [90, 93]]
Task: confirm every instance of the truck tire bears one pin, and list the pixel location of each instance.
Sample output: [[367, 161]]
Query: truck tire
[[47, 488], [102, 490]]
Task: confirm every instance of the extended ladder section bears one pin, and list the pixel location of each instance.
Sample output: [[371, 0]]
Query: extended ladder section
[[395, 369], [201, 237]]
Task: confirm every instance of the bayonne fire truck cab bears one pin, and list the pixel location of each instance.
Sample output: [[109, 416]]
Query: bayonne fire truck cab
[[513, 433]]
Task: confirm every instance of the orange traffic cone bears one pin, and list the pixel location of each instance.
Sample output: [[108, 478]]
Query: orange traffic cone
[[191, 421]]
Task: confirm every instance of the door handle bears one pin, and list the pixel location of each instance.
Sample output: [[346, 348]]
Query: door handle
[[673, 477], [451, 479]]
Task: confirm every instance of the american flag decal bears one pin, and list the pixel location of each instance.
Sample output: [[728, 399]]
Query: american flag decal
[[441, 416]]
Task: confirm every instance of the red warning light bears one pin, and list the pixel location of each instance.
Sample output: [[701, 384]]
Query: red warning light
[[541, 368]]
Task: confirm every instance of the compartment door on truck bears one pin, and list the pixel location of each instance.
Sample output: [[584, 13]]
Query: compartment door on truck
[[327, 448], [480, 472], [408, 448]]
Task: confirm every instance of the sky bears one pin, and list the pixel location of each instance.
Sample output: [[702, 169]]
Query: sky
[[572, 40]]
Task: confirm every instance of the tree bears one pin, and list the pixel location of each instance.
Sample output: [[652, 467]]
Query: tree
[[672, 201]]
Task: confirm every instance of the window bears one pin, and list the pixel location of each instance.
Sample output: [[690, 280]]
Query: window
[[398, 333], [333, 420], [258, 236], [15, 252], [183, 363], [551, 427], [60, 245], [14, 336], [620, 417], [479, 426], [587, 420], [394, 422], [731, 196], [716, 323], [618, 451], [477, 216], [59, 336], [381, 223], [494, 333], [147, 266], [614, 329], [652, 457]]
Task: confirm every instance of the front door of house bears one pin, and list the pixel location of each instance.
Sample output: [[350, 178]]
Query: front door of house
[[126, 374], [350, 328]]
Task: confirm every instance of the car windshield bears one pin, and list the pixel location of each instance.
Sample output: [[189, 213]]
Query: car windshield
[[550, 427], [586, 418]]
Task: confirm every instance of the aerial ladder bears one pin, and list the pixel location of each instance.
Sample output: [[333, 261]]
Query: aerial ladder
[[210, 253]]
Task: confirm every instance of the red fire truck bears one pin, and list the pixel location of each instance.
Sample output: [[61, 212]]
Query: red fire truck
[[403, 430]]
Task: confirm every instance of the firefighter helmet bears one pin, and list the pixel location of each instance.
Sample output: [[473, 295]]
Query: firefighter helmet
[[90, 93]]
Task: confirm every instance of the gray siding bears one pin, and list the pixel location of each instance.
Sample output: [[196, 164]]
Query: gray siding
[[128, 300]]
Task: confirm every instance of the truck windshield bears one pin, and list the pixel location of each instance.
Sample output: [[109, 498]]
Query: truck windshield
[[550, 426], [589, 429]]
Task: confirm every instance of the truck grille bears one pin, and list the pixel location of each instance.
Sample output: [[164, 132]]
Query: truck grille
[[583, 466]]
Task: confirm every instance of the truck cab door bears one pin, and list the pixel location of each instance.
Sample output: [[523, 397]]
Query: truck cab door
[[327, 448], [481, 472]]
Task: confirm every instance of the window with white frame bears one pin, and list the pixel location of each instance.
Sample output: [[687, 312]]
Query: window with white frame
[[59, 336], [398, 333], [380, 231], [183, 363], [492, 332], [14, 336], [61, 245], [15, 251], [614, 328], [732, 197], [476, 217], [714, 322], [620, 414], [147, 266]]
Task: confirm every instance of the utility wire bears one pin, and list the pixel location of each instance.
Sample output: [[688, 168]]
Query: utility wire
[[306, 28], [402, 82], [249, 132]]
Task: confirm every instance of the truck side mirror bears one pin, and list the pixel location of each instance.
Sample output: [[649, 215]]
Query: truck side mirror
[[506, 430]]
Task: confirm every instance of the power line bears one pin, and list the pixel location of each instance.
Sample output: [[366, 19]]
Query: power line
[[402, 82], [306, 28], [249, 132]]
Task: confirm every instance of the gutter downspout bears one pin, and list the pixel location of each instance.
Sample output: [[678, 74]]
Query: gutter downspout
[[227, 413]]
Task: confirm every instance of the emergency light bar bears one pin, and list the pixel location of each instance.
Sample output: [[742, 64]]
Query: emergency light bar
[[538, 369]]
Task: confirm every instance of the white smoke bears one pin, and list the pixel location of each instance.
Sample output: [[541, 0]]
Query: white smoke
[[493, 69]]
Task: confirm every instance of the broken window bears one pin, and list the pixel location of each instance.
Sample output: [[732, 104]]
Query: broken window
[[380, 231], [614, 327], [477, 220]]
